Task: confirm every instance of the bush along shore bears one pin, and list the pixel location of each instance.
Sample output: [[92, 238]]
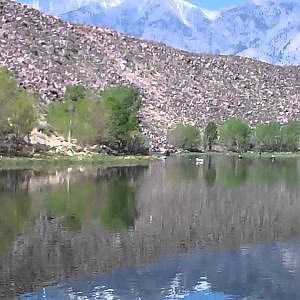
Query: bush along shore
[[238, 137], [85, 122], [88, 122]]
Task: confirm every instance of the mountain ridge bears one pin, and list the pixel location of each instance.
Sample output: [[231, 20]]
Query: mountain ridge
[[264, 30], [47, 55]]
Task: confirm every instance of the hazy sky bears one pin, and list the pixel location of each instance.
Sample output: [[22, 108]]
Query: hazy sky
[[219, 4]]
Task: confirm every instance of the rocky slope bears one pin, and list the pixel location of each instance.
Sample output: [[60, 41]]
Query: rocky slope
[[265, 30], [47, 54]]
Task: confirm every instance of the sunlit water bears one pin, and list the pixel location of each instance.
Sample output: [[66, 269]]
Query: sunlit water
[[227, 229]]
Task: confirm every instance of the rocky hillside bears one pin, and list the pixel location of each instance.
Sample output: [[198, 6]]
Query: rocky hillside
[[267, 30], [47, 54]]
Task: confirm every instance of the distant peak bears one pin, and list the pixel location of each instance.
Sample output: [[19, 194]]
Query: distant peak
[[263, 2], [109, 3], [210, 14]]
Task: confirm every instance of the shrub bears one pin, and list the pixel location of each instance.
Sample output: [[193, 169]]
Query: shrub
[[210, 134], [291, 136], [17, 113], [186, 137], [235, 134], [267, 137], [75, 93], [22, 114], [138, 144]]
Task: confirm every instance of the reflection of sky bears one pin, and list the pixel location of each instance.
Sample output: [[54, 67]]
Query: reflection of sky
[[56, 294], [268, 271], [205, 296]]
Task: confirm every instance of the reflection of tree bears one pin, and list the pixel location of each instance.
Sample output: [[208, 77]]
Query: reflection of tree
[[182, 169], [234, 173], [209, 172], [14, 180], [72, 222], [109, 197], [75, 201], [119, 211], [14, 213], [15, 204], [188, 170], [272, 172]]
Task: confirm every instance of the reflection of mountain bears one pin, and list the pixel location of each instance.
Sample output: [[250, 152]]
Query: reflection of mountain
[[212, 275], [165, 209]]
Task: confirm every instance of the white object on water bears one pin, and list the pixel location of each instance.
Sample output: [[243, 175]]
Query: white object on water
[[199, 161]]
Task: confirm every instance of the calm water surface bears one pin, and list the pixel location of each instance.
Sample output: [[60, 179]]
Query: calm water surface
[[228, 229]]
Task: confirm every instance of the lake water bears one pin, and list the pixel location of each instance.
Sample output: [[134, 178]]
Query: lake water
[[227, 229]]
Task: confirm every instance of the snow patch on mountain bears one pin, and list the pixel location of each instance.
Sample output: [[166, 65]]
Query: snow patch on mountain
[[211, 14]]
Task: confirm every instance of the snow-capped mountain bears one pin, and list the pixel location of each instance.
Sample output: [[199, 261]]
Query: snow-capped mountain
[[261, 29]]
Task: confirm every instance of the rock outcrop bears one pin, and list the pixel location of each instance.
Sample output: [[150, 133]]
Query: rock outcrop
[[47, 54]]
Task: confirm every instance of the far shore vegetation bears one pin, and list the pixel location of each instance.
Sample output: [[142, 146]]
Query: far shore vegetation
[[49, 162], [109, 120]]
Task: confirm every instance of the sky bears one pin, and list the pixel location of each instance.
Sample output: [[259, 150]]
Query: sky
[[217, 4]]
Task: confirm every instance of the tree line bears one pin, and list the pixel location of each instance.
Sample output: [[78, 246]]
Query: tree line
[[111, 118], [107, 118], [236, 135]]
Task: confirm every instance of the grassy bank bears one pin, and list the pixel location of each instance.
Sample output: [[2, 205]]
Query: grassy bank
[[99, 160], [57, 162], [270, 154], [249, 154]]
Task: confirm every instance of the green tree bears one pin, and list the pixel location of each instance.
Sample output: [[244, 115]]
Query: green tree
[[8, 91], [291, 136], [210, 134], [22, 114], [75, 92], [83, 119], [186, 137], [267, 137], [17, 113], [235, 134], [110, 119], [121, 107]]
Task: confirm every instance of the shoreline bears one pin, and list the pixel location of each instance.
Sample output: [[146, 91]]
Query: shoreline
[[102, 160], [249, 154], [61, 161]]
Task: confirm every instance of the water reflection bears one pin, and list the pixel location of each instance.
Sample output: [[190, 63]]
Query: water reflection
[[271, 173], [59, 225], [209, 172], [119, 211], [234, 172], [14, 215], [207, 275], [109, 196], [73, 199]]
